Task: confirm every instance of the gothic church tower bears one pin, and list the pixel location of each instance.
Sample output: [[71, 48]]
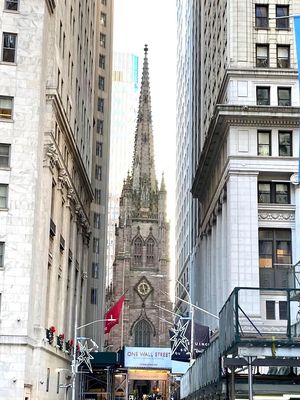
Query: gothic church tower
[[141, 267]]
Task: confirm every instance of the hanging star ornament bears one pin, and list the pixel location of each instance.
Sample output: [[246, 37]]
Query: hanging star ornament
[[179, 338], [85, 355]]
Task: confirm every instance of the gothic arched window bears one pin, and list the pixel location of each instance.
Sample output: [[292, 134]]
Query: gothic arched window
[[142, 334], [137, 250], [150, 251]]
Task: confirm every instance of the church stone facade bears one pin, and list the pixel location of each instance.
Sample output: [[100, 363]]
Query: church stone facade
[[141, 267]]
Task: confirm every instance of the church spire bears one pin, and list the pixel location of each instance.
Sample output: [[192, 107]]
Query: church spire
[[143, 169]]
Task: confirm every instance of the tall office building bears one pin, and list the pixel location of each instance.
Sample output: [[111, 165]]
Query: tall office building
[[124, 106], [242, 97], [141, 267], [47, 168]]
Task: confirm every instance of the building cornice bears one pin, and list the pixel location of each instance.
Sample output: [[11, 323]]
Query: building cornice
[[237, 115]]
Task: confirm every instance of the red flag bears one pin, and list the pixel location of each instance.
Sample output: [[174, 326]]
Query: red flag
[[113, 313]]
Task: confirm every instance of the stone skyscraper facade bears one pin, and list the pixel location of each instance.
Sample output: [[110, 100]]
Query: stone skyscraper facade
[[54, 137], [141, 267]]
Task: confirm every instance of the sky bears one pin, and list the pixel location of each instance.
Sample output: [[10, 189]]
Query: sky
[[140, 22]]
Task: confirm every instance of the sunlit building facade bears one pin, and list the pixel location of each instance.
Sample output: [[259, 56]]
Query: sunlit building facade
[[47, 186]]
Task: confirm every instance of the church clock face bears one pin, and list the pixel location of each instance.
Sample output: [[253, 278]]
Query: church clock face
[[143, 288]]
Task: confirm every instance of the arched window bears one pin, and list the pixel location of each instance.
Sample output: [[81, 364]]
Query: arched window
[[137, 251], [150, 251], [142, 334]]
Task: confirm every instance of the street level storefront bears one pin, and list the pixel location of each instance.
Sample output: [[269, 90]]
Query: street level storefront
[[134, 373]]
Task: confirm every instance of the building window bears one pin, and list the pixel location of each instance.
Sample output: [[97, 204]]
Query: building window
[[282, 11], [270, 309], [283, 310], [99, 148], [100, 126], [97, 220], [98, 172], [6, 107], [94, 296], [100, 104], [137, 251], [97, 196], [284, 96], [103, 19], [103, 2], [4, 155], [274, 192], [101, 82], [2, 245], [264, 143], [95, 270], [142, 334], [150, 251], [102, 40], [96, 245], [9, 47], [3, 195], [275, 248], [11, 5], [261, 16], [263, 96], [285, 143], [262, 55], [283, 56], [102, 61]]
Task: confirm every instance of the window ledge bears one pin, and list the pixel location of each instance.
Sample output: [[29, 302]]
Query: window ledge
[[11, 121], [259, 28], [5, 168], [11, 11], [8, 63], [3, 209]]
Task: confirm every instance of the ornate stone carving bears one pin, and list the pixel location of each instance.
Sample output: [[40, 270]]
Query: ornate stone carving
[[50, 155], [276, 216]]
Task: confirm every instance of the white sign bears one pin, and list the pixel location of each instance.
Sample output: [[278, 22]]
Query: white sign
[[147, 357]]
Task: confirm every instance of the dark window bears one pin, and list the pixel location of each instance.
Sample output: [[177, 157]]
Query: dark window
[[142, 334], [95, 270], [138, 247], [97, 220], [264, 143], [102, 40], [100, 126], [2, 245], [262, 55], [150, 251], [97, 196], [270, 309], [282, 310], [261, 16], [263, 96], [102, 61], [281, 12], [4, 155], [284, 96], [99, 147], [11, 5], [9, 47], [96, 246], [103, 2], [6, 107], [274, 192], [98, 172], [3, 195], [103, 19], [101, 82], [274, 248], [285, 143], [283, 56], [94, 296], [100, 104]]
